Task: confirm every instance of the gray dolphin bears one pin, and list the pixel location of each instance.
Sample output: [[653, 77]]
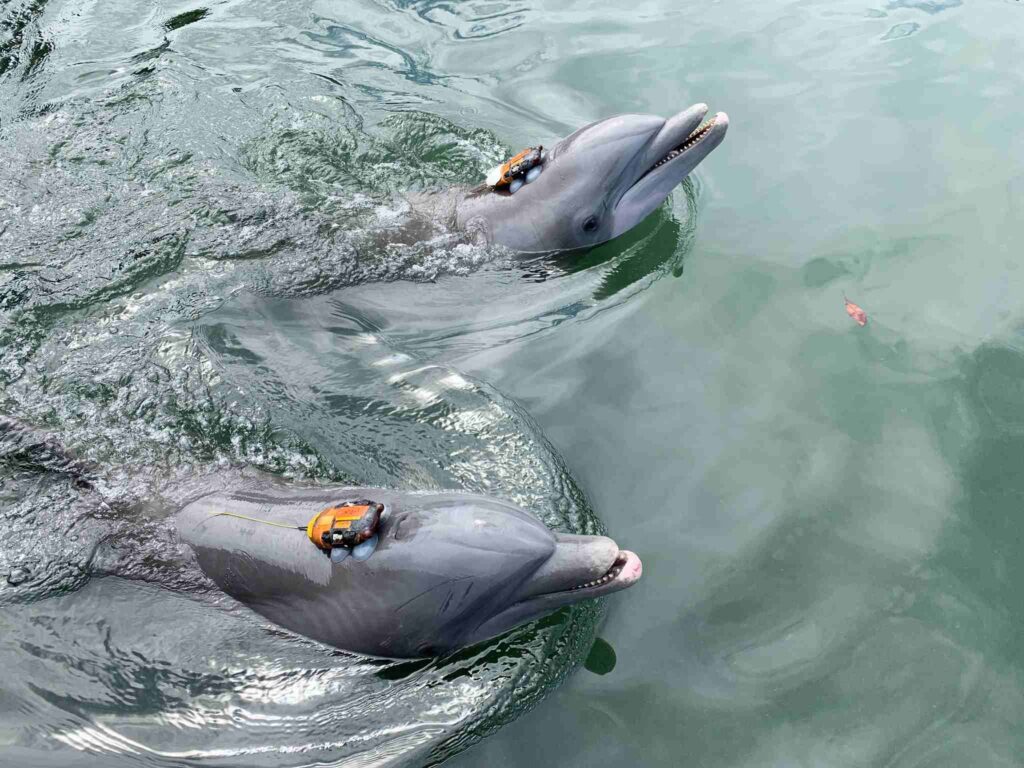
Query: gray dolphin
[[595, 184], [448, 570]]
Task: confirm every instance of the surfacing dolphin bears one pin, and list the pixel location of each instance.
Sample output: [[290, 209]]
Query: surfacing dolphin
[[448, 569], [595, 184]]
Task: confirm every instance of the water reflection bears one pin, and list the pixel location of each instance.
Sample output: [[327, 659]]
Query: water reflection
[[469, 20]]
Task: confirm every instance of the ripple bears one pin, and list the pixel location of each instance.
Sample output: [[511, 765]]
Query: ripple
[[899, 31], [931, 7], [471, 20]]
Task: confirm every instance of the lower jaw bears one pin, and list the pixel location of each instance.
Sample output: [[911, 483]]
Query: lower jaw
[[595, 588], [609, 576]]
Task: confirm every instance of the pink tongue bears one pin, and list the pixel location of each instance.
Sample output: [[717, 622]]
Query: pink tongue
[[634, 567]]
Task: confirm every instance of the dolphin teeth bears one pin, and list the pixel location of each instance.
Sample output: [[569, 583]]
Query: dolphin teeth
[[612, 574], [690, 141]]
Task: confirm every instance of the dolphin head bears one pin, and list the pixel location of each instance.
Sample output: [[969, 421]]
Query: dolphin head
[[449, 570], [597, 183]]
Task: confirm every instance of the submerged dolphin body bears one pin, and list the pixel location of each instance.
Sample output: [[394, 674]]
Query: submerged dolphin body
[[595, 184], [449, 569]]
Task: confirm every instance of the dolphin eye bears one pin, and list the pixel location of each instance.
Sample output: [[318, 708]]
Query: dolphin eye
[[590, 224]]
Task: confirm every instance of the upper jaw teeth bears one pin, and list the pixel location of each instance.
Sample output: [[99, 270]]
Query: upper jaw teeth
[[614, 571], [692, 139]]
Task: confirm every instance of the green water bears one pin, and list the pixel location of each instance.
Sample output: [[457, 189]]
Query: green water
[[830, 516]]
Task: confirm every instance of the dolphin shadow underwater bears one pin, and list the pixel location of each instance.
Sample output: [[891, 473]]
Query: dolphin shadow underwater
[[434, 572]]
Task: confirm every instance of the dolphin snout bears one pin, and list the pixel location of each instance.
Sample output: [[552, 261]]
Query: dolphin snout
[[721, 121], [579, 568], [576, 561], [674, 132]]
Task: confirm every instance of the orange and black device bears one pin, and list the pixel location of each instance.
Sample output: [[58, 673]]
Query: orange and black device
[[345, 525], [510, 170]]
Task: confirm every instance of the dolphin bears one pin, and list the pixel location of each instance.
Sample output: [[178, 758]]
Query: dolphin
[[594, 185], [448, 569]]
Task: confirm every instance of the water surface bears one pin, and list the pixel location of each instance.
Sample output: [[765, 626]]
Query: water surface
[[192, 202]]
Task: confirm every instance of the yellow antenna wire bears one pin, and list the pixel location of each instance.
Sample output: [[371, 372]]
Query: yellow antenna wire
[[257, 520]]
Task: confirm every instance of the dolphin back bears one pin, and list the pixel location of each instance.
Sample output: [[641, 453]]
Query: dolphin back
[[252, 543]]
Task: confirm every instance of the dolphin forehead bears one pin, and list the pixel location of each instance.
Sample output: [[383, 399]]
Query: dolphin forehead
[[454, 560], [599, 153], [620, 128], [472, 522]]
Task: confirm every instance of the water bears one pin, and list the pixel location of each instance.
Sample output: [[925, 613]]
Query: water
[[196, 204]]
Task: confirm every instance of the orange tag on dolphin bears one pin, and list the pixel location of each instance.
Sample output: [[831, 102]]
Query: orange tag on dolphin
[[503, 175], [345, 524]]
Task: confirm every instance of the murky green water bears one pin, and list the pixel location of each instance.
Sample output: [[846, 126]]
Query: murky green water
[[195, 275]]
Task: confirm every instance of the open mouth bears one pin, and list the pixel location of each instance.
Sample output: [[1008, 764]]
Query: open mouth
[[688, 143], [610, 575], [582, 567], [624, 572]]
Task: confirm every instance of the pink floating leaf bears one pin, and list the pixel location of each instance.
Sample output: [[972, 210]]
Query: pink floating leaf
[[859, 315]]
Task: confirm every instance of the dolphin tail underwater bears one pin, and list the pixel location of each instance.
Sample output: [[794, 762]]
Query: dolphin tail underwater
[[440, 571], [590, 187]]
